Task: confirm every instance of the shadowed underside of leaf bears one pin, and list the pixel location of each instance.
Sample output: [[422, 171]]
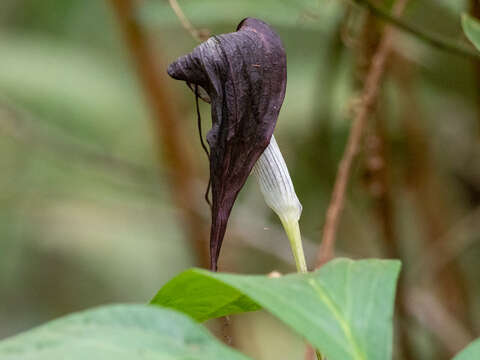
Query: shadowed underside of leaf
[[120, 332], [345, 309]]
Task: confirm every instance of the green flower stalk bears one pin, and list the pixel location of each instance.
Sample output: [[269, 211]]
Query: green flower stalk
[[277, 189]]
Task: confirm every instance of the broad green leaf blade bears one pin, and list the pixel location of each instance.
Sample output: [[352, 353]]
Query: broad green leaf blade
[[471, 28], [202, 297], [471, 352], [345, 309], [120, 332]]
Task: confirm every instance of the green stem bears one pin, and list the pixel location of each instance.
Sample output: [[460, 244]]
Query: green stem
[[427, 37], [293, 233]]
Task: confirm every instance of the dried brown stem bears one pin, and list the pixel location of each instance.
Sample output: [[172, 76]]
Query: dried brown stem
[[368, 100], [378, 181], [167, 124]]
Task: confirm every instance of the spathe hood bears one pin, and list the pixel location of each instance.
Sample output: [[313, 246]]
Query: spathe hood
[[244, 74]]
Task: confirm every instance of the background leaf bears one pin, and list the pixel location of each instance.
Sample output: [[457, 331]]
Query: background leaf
[[471, 27], [471, 352], [118, 332], [288, 13], [345, 309]]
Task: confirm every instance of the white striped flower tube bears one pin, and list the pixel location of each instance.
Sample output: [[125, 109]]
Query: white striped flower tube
[[277, 189]]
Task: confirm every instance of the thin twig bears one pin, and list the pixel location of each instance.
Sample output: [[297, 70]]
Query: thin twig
[[199, 35], [369, 97], [378, 175], [429, 38]]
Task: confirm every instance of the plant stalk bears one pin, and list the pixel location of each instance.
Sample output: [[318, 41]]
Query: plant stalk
[[293, 233], [292, 229]]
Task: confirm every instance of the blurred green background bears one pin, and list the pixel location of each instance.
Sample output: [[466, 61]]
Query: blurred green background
[[87, 211]]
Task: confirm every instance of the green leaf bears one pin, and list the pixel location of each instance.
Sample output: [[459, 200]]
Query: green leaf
[[471, 352], [202, 297], [345, 309], [471, 28], [80, 91], [120, 332]]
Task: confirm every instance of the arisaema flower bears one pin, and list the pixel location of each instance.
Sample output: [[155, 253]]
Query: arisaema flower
[[243, 76], [277, 189]]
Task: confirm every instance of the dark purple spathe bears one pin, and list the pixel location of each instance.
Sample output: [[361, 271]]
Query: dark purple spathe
[[244, 74]]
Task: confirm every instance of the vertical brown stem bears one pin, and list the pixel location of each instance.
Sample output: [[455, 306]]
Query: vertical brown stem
[[378, 171], [380, 187], [167, 124], [371, 89], [369, 96]]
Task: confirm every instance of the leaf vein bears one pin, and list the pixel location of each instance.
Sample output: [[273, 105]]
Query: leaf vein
[[325, 298]]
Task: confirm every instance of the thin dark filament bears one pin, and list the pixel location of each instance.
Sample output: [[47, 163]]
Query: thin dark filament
[[207, 199], [199, 122]]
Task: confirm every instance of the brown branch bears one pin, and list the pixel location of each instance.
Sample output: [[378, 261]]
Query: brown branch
[[368, 100], [167, 124], [377, 173]]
